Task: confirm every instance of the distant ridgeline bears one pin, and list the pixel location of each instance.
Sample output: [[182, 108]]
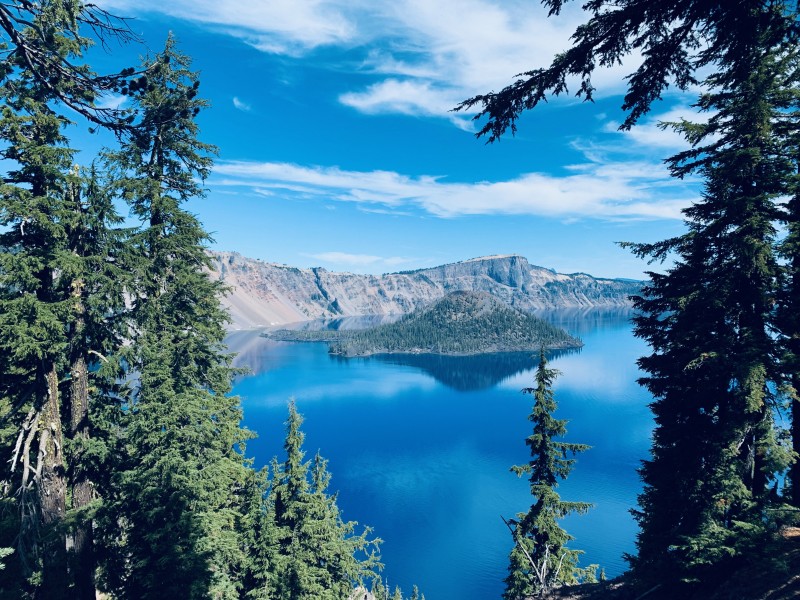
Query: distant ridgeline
[[264, 294], [461, 323]]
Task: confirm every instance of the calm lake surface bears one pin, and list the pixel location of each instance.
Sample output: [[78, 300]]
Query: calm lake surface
[[420, 447]]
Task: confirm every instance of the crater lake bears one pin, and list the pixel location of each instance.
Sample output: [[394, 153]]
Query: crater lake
[[420, 446]]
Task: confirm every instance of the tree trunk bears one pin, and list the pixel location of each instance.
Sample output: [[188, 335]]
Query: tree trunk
[[791, 329], [52, 492], [80, 541], [794, 475]]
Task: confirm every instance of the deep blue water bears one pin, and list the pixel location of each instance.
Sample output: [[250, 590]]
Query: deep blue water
[[420, 449]]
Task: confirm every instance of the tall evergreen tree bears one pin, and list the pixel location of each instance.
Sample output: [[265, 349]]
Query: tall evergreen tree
[[258, 536], [708, 319], [178, 495], [540, 559], [788, 314], [319, 555], [95, 337], [33, 310], [55, 253], [54, 256]]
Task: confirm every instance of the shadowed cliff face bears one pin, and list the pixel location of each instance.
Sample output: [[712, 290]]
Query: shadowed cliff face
[[265, 294]]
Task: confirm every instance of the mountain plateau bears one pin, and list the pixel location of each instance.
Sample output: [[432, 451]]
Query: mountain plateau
[[265, 294]]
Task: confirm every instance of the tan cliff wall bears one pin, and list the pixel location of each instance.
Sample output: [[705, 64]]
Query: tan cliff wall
[[264, 293]]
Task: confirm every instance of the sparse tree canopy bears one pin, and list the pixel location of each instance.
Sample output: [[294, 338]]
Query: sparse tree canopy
[[46, 40], [677, 40]]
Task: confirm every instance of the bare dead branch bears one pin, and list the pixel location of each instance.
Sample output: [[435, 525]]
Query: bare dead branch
[[26, 453], [26, 424]]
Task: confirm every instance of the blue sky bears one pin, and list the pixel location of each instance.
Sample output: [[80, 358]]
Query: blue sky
[[337, 146]]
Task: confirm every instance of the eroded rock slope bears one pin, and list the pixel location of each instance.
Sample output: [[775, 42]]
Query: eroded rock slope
[[266, 293]]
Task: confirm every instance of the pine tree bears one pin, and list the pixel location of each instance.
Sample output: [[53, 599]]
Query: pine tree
[[59, 292], [678, 42], [378, 590], [713, 370], [788, 315], [258, 536], [540, 559], [94, 335], [33, 310], [51, 260], [319, 555], [26, 38], [178, 498]]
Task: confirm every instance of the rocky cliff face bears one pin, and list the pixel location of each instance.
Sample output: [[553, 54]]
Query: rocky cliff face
[[270, 294]]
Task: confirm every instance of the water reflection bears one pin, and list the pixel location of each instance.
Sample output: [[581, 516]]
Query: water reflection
[[342, 323], [470, 373], [580, 322], [426, 462]]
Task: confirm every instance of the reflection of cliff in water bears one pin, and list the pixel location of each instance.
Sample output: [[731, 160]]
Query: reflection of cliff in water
[[469, 373], [579, 322], [342, 323], [254, 352]]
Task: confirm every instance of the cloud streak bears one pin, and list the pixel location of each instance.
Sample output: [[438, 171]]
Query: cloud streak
[[620, 191], [241, 105], [287, 27], [360, 260], [425, 57]]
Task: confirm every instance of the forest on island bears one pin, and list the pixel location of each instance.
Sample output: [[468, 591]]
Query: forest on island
[[461, 323], [124, 461]]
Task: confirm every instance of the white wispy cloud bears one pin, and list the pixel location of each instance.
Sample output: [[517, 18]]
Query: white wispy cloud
[[288, 27], [650, 135], [620, 190], [409, 97], [426, 56], [241, 105], [359, 260], [112, 101]]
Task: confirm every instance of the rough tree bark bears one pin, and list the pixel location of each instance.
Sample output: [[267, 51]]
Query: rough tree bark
[[80, 543], [52, 490]]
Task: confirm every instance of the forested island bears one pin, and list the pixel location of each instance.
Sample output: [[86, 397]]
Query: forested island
[[461, 323]]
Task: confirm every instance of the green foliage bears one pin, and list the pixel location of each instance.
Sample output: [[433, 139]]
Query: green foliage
[[788, 298], [173, 498], [48, 39], [540, 559], [678, 41], [460, 323], [379, 590], [709, 321], [317, 554], [143, 483], [44, 273]]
